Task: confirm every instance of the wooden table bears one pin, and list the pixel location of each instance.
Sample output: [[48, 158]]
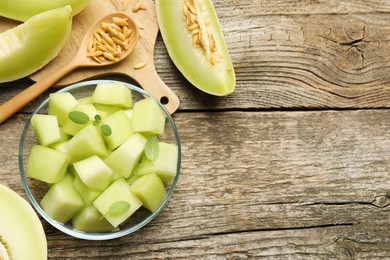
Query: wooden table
[[293, 165]]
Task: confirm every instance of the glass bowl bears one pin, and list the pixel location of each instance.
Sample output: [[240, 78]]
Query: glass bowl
[[36, 189]]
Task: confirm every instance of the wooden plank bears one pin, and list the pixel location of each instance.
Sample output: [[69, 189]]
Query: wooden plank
[[293, 61], [258, 184], [295, 54]]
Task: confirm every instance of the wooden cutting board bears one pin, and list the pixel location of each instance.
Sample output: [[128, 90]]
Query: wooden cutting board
[[146, 77]]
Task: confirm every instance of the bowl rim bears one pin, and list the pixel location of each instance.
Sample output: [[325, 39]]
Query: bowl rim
[[97, 235]]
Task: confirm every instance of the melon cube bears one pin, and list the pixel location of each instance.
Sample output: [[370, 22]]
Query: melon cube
[[148, 117], [124, 159], [85, 100], [64, 136], [60, 104], [62, 202], [150, 190], [107, 108], [73, 128], [86, 143], [117, 192], [114, 94], [60, 147], [121, 129], [134, 175], [46, 164], [94, 172], [129, 114], [87, 194], [46, 129], [165, 165], [89, 219]]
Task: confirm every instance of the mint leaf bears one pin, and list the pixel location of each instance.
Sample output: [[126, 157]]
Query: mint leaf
[[78, 117], [119, 207], [152, 148], [98, 119], [106, 130]]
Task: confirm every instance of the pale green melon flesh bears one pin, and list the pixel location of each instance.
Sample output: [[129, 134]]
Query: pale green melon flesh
[[46, 128], [165, 165], [94, 172], [62, 202], [121, 129], [60, 104], [72, 128], [86, 143], [114, 94], [147, 117], [46, 164], [90, 220], [21, 10], [216, 79], [87, 194], [20, 227], [31, 45], [124, 159], [150, 190], [118, 191]]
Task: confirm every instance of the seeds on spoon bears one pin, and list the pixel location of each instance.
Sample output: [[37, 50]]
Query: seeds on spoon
[[109, 40]]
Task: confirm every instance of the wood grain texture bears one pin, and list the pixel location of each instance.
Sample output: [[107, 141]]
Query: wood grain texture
[[294, 54], [293, 165], [282, 184]]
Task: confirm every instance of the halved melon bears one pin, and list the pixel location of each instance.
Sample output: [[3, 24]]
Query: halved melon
[[22, 10], [27, 47], [21, 232], [193, 37]]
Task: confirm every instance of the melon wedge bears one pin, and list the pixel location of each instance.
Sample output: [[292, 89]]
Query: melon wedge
[[29, 46], [210, 69], [21, 10], [20, 229]]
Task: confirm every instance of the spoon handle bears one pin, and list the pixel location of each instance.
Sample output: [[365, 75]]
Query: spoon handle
[[23, 98]]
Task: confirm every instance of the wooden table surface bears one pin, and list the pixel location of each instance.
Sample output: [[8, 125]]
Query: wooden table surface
[[293, 165]]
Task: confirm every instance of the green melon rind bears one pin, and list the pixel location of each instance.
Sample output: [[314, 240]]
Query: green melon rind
[[29, 46], [20, 227], [216, 79], [22, 10]]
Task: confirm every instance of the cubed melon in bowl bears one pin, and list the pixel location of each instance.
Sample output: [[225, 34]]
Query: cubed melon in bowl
[[91, 175]]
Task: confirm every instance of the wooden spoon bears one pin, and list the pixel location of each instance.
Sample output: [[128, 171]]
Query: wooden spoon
[[81, 59]]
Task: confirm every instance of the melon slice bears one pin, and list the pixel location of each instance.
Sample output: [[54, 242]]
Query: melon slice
[[28, 47], [21, 232], [194, 40], [21, 10]]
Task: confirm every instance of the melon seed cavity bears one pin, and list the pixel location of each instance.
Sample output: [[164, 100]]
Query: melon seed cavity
[[109, 40], [195, 19]]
